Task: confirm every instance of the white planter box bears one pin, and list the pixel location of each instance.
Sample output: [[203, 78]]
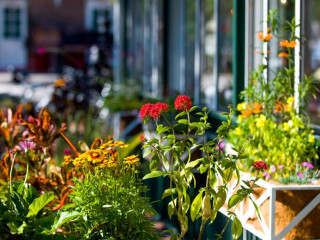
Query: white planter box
[[277, 222]]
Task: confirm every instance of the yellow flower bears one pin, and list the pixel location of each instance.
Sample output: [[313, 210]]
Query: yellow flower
[[67, 159], [119, 144], [290, 100], [133, 159], [238, 131], [261, 120], [242, 106], [286, 126], [311, 138], [240, 118]]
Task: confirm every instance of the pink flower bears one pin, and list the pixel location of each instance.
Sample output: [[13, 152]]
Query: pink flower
[[266, 175], [305, 164], [67, 152], [300, 175], [273, 168], [280, 166], [27, 145], [183, 103], [310, 166], [260, 165]]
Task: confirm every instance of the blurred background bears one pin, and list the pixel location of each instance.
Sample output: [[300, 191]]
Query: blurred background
[[94, 63]]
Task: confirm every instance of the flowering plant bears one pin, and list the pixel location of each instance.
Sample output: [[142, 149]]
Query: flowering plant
[[166, 152], [281, 134], [109, 201]]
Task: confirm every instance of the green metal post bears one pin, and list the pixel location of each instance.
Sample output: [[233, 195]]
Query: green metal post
[[238, 49]]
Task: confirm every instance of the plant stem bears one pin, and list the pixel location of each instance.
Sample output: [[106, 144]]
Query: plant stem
[[11, 170], [203, 224], [25, 179]]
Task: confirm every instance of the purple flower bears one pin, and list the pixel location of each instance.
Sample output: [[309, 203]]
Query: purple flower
[[305, 164], [280, 166], [300, 175], [27, 145], [310, 166], [266, 175], [222, 144], [273, 168]]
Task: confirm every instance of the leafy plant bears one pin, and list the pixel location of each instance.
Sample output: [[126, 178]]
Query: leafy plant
[[273, 114], [22, 213], [166, 152], [109, 202]]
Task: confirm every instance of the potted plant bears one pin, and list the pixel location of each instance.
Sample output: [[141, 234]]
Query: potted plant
[[273, 115]]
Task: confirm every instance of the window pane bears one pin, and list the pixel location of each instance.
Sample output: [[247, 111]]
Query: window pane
[[189, 31], [312, 54], [12, 23], [207, 87], [225, 79]]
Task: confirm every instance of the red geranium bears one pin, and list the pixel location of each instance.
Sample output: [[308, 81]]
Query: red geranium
[[260, 165], [183, 102], [142, 138], [145, 110], [157, 109]]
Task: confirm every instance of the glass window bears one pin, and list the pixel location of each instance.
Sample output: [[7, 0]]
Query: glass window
[[189, 45], [101, 18], [312, 53], [207, 87], [225, 78], [12, 23]]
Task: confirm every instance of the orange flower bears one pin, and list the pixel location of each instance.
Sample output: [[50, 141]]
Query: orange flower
[[257, 107], [246, 113], [283, 54], [133, 159], [264, 38], [254, 82], [268, 29], [278, 108], [287, 44]]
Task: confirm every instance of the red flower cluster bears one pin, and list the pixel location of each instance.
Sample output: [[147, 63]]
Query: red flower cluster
[[183, 102], [260, 165], [153, 110], [142, 138]]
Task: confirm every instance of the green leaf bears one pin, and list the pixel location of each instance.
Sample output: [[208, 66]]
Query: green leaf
[[30, 193], [146, 153], [193, 163], [212, 179], [154, 175], [256, 207], [221, 198], [171, 208], [62, 218], [196, 206], [39, 204], [236, 229], [154, 163], [183, 121], [234, 200], [193, 108], [169, 192], [180, 114]]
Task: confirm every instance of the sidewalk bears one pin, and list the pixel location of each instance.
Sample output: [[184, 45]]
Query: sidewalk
[[36, 87]]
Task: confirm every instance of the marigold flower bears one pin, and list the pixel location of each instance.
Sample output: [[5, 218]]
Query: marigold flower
[[59, 82], [119, 144], [183, 103], [133, 159], [145, 110], [260, 165], [238, 131], [67, 159], [257, 107], [290, 100], [283, 54], [157, 109]]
